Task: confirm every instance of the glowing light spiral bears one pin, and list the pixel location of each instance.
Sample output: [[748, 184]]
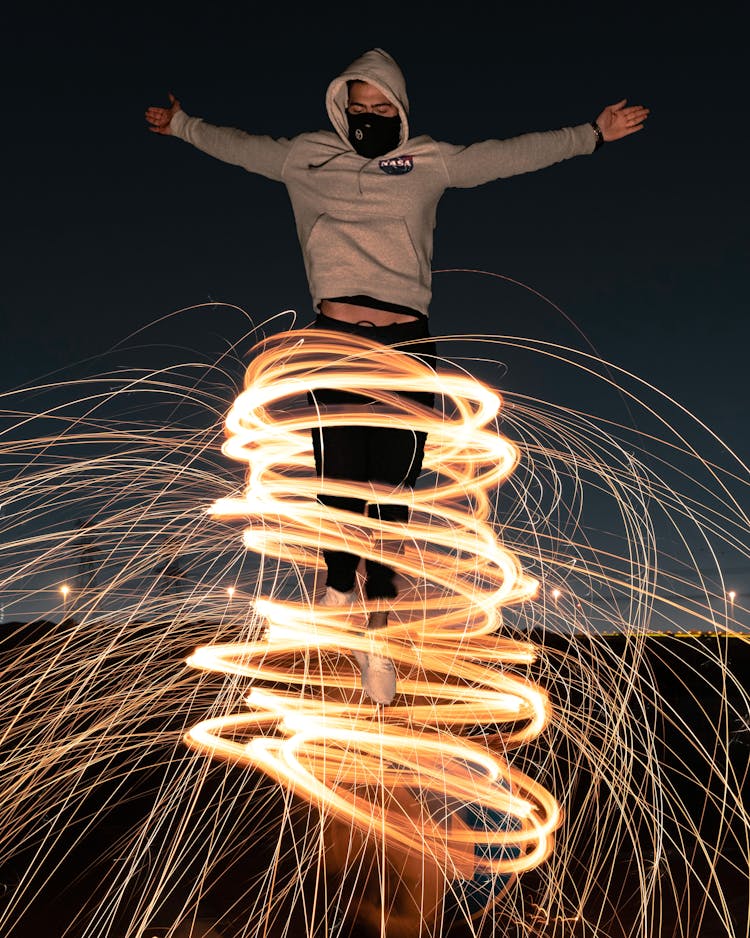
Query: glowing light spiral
[[638, 532], [307, 726]]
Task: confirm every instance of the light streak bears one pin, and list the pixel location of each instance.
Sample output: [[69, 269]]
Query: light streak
[[646, 745], [341, 756]]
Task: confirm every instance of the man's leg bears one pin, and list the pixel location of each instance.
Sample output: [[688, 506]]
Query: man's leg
[[394, 457], [340, 453]]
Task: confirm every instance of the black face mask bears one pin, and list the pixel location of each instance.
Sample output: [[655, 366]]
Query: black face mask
[[373, 135]]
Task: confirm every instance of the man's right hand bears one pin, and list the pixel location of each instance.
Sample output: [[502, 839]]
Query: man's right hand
[[160, 117]]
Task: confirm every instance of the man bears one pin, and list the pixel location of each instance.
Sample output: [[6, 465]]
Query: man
[[364, 200]]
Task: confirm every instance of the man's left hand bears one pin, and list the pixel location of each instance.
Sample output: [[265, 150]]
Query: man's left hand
[[618, 121]]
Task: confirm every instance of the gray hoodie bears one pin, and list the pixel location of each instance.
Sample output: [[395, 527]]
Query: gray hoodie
[[366, 226]]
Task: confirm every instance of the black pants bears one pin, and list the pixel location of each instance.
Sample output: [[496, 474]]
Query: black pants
[[370, 454]]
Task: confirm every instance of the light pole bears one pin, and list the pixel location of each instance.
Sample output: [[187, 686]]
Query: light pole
[[65, 589]]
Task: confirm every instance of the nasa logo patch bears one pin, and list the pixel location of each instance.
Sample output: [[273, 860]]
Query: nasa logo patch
[[397, 165]]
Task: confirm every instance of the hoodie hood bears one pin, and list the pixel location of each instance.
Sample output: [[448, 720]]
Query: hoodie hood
[[377, 68]]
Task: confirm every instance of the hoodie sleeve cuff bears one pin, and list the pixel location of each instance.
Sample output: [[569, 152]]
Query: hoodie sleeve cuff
[[586, 137], [177, 124]]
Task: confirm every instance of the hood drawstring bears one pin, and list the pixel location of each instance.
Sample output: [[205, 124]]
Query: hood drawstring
[[338, 156], [330, 159]]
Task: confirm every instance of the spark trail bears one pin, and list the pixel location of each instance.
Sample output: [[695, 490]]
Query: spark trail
[[339, 755], [628, 530]]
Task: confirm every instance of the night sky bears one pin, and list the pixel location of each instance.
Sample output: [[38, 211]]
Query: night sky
[[644, 245]]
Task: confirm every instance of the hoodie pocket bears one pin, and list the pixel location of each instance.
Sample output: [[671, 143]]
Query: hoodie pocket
[[358, 251]]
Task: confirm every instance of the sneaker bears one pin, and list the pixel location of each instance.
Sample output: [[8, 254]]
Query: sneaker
[[361, 657], [379, 674], [333, 597], [379, 678]]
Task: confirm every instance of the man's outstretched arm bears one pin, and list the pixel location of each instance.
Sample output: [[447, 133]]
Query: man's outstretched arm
[[497, 159], [257, 154]]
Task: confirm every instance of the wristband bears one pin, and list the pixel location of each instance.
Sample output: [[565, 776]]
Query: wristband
[[599, 135]]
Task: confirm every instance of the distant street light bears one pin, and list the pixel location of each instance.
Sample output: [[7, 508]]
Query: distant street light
[[555, 595], [732, 596], [65, 589], [230, 592]]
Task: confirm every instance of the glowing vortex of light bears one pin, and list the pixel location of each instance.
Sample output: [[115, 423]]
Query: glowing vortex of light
[[458, 711]]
